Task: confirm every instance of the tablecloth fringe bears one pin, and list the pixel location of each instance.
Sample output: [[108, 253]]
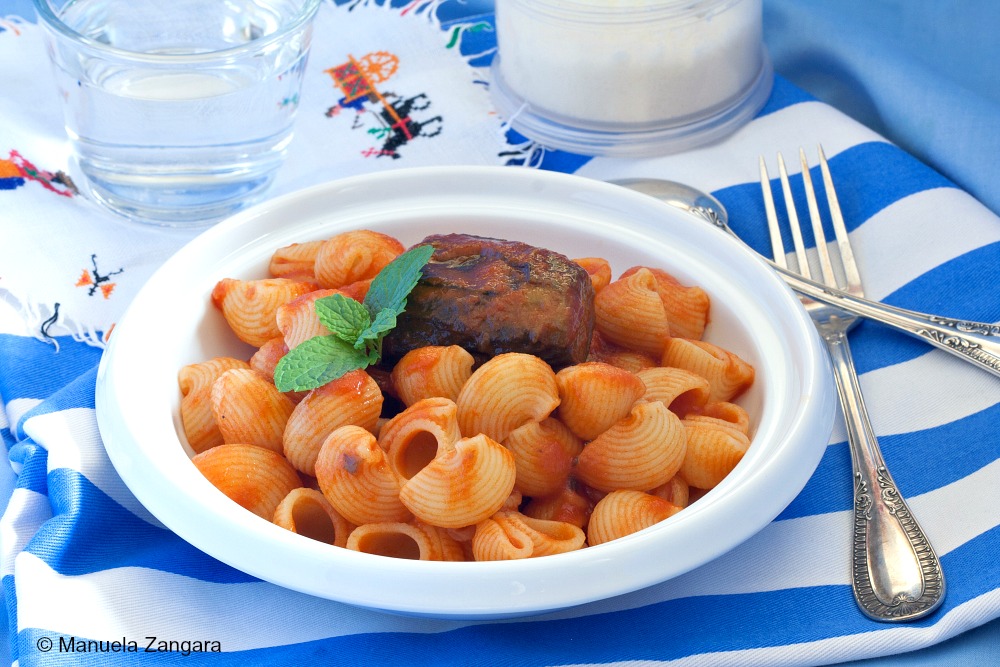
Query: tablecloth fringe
[[45, 323]]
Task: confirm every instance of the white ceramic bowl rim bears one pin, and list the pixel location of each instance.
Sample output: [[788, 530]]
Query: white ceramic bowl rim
[[171, 322]]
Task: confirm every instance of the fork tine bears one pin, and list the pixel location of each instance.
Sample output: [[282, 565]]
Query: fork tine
[[793, 220], [777, 246], [826, 266], [840, 229]]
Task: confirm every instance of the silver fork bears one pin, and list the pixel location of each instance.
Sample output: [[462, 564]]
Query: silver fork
[[896, 574]]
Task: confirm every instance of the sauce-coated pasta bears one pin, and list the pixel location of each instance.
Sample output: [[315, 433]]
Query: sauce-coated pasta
[[450, 456]]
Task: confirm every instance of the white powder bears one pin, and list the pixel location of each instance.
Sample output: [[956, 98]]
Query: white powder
[[603, 63]]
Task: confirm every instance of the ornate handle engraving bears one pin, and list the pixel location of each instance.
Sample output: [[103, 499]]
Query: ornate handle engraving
[[975, 342], [964, 346], [879, 594], [896, 576]]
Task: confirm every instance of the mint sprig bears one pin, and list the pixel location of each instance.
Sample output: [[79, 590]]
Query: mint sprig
[[356, 329]]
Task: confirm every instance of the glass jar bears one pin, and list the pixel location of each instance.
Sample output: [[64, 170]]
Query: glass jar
[[629, 77]]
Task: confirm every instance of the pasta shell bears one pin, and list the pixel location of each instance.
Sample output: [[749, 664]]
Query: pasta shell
[[506, 392], [463, 485], [352, 399], [249, 306], [513, 501], [604, 351], [543, 456], [266, 359], [354, 475], [687, 308], [494, 541], [195, 382], [721, 411], [414, 541], [629, 312], [419, 433], [680, 390], [511, 535], [255, 478], [297, 320], [640, 452], [728, 375], [677, 491], [431, 371], [353, 256], [249, 409], [357, 290], [568, 506], [594, 395], [295, 261], [624, 512], [713, 451], [598, 269], [267, 356], [307, 512]]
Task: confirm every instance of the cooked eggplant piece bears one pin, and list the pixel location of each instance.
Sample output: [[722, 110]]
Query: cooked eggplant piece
[[492, 296]]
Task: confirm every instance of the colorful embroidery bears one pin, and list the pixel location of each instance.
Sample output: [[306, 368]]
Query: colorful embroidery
[[394, 123], [16, 170], [93, 279], [459, 30]]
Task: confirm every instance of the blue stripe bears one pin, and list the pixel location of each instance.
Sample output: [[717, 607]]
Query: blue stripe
[[33, 460], [662, 631], [10, 607], [90, 532], [76, 393], [907, 454], [869, 177], [30, 368]]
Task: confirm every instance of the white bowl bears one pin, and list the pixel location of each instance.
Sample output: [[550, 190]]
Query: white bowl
[[172, 323]]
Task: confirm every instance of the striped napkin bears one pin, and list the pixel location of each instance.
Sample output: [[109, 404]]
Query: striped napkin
[[90, 578]]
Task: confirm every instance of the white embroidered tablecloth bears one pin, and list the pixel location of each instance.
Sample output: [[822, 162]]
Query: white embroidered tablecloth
[[80, 559]]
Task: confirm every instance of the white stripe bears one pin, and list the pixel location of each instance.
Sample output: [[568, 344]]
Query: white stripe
[[887, 642], [734, 161], [74, 442], [810, 551], [26, 511], [17, 407]]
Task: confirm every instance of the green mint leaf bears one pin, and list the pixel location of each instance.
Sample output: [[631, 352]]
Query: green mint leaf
[[343, 316], [385, 321], [394, 283], [356, 329], [317, 361]]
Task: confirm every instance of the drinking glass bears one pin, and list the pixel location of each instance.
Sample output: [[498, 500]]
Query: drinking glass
[[180, 112]]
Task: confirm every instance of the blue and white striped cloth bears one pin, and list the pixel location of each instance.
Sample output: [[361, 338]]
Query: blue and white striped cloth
[[80, 558]]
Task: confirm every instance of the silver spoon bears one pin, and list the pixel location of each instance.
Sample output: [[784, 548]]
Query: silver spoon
[[975, 342]]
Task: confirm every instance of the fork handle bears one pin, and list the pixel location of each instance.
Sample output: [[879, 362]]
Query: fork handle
[[975, 342], [896, 576]]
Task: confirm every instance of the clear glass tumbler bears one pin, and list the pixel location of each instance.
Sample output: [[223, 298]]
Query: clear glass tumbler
[[179, 112]]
